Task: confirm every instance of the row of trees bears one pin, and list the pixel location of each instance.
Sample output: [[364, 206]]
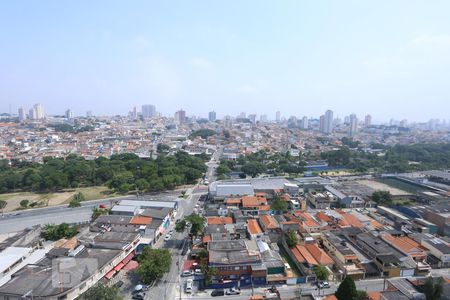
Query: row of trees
[[121, 172], [260, 162], [397, 158]]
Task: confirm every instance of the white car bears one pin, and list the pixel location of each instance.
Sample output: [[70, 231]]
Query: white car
[[167, 237]]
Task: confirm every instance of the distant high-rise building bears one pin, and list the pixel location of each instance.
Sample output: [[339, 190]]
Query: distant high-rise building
[[22, 114], [263, 118], [305, 123], [89, 113], [31, 115], [252, 118], [242, 115], [322, 123], [328, 122], [368, 121], [148, 111], [38, 111], [180, 116], [212, 116], [278, 116], [134, 113], [69, 114], [353, 124], [403, 123]]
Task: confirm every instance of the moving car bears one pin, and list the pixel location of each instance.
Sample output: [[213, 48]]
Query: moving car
[[217, 293]]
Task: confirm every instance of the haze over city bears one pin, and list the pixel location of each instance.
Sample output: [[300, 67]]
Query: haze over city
[[388, 59]]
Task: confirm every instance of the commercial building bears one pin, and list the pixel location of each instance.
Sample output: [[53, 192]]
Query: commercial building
[[148, 111], [212, 116]]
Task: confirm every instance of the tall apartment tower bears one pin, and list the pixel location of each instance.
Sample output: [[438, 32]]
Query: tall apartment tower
[[353, 124], [212, 116], [38, 111], [22, 114], [322, 124], [180, 116], [69, 114], [368, 121], [278, 116], [305, 123], [328, 122], [148, 111]]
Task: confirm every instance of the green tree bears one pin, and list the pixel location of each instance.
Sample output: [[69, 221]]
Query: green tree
[[153, 263], [433, 288], [142, 184], [197, 223], [24, 203], [346, 290], [279, 205], [101, 292], [74, 203], [291, 238], [79, 197], [162, 148], [55, 232], [180, 226], [253, 168], [321, 272], [3, 204], [382, 197], [97, 212]]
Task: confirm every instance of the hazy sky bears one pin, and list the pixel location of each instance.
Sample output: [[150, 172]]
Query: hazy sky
[[388, 58]]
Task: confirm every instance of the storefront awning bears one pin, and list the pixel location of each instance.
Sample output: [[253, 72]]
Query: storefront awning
[[119, 266], [110, 274]]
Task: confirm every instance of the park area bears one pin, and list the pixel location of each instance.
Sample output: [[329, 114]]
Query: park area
[[50, 199]]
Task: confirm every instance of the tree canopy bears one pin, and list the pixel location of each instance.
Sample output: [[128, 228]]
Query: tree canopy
[[101, 292], [382, 197], [203, 133], [153, 263], [55, 232], [121, 172], [433, 288], [291, 238], [321, 272]]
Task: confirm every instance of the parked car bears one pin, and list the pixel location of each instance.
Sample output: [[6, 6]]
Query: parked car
[[217, 293], [138, 296], [118, 284], [323, 285], [189, 285], [167, 237], [186, 273], [233, 291], [198, 272]]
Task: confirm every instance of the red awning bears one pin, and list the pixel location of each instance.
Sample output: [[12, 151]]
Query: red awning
[[110, 274], [128, 258], [131, 265], [119, 266]]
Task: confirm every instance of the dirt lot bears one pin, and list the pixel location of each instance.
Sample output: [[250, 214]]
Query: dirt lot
[[50, 199], [379, 186]]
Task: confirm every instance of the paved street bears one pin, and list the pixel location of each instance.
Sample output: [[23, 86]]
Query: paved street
[[16, 221]]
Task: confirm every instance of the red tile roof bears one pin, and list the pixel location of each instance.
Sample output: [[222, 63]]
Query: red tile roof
[[219, 220], [319, 255], [269, 222], [253, 227], [139, 220]]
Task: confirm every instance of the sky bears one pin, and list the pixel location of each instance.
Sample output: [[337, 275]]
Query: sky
[[387, 58]]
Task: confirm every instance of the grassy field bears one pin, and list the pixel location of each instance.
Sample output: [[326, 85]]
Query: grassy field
[[57, 198]]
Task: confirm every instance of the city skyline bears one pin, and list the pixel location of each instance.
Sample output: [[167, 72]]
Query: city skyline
[[302, 58]]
